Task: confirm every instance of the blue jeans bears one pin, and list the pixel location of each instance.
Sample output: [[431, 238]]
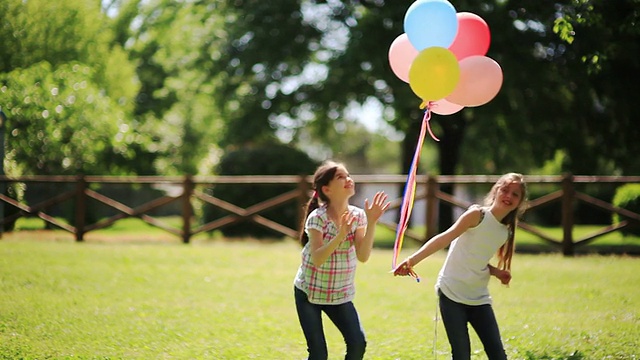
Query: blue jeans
[[344, 317], [455, 317]]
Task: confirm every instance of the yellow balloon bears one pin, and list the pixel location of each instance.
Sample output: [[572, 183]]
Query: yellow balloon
[[434, 73]]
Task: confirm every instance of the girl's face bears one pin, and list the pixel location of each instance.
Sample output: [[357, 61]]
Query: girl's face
[[341, 185], [509, 196]]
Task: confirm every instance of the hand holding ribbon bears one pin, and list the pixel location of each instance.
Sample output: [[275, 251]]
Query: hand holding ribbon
[[406, 269]]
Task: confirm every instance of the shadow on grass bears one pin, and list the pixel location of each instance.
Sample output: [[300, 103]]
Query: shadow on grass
[[592, 249], [576, 355]]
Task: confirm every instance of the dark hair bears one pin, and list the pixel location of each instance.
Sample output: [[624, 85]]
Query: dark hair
[[323, 175], [505, 252]]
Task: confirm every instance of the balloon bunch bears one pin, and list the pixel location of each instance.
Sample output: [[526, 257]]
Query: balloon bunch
[[441, 55]]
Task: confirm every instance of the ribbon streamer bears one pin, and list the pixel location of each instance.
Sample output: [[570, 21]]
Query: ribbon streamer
[[410, 188]]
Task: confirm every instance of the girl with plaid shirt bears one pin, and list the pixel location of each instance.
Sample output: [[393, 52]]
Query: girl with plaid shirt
[[336, 235]]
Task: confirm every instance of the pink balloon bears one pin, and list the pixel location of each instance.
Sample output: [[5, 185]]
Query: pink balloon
[[444, 107], [480, 81], [401, 55], [473, 36]]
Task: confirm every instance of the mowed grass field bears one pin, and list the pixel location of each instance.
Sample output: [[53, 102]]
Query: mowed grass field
[[221, 299]]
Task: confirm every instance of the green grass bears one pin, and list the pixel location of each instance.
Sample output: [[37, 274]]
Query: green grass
[[216, 299], [136, 230]]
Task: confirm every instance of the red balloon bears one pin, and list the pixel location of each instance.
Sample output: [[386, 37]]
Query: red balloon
[[473, 36]]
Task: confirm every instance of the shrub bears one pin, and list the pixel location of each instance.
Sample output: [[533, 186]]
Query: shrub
[[628, 197], [273, 159]]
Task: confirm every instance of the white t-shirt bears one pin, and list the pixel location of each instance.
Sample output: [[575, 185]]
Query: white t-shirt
[[464, 277]]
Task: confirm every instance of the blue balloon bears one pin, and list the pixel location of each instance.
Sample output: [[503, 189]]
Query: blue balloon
[[430, 23]]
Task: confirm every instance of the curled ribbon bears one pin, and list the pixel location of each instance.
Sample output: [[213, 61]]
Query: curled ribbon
[[427, 117], [410, 189]]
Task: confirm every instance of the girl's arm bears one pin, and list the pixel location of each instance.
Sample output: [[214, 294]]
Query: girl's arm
[[364, 241], [320, 251], [467, 220], [364, 237]]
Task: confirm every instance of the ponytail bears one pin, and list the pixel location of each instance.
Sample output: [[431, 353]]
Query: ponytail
[[311, 205], [323, 175]]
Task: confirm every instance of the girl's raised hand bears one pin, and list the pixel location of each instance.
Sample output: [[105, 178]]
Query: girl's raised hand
[[377, 207], [346, 221]]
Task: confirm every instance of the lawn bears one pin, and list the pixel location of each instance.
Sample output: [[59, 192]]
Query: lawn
[[136, 230], [220, 299]]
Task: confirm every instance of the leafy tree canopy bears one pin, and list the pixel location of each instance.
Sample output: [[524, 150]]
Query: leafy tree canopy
[[67, 90]]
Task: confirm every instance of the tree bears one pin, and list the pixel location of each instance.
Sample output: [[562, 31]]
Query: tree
[[60, 123], [176, 46], [545, 107], [602, 45], [66, 104]]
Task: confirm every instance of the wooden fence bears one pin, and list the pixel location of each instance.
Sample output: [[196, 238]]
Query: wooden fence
[[192, 189]]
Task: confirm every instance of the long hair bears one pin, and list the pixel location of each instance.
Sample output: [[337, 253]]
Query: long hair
[[505, 252], [323, 175]]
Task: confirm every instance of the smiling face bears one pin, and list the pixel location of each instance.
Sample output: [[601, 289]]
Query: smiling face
[[341, 186], [509, 196]]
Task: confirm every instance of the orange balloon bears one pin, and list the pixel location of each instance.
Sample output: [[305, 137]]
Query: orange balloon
[[434, 73], [480, 81]]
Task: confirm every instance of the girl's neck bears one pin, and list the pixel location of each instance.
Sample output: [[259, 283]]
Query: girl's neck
[[498, 213], [335, 209]]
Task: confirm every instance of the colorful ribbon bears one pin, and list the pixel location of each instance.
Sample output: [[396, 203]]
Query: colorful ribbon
[[410, 189]]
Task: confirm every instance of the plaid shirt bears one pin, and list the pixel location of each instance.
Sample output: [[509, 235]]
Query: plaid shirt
[[331, 283]]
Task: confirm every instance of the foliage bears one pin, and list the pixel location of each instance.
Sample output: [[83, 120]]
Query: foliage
[[65, 32], [223, 300], [189, 78], [260, 160], [600, 59], [59, 122], [627, 197], [67, 91], [175, 45], [340, 68]]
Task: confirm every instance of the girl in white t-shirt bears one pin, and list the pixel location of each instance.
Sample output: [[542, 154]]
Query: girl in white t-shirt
[[462, 284]]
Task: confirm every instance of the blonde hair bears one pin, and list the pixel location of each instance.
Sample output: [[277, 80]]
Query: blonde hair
[[505, 252]]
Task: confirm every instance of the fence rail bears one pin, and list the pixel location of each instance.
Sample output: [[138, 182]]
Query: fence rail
[[191, 189]]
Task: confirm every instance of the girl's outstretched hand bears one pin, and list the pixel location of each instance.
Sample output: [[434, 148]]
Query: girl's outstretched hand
[[377, 207], [405, 269]]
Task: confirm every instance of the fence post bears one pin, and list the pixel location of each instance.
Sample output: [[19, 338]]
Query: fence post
[[81, 207], [568, 196], [432, 207], [187, 209], [303, 199]]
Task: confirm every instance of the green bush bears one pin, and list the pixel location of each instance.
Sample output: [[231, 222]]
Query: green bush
[[628, 197], [273, 159]]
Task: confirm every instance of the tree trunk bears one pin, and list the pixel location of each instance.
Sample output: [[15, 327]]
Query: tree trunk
[[453, 128]]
